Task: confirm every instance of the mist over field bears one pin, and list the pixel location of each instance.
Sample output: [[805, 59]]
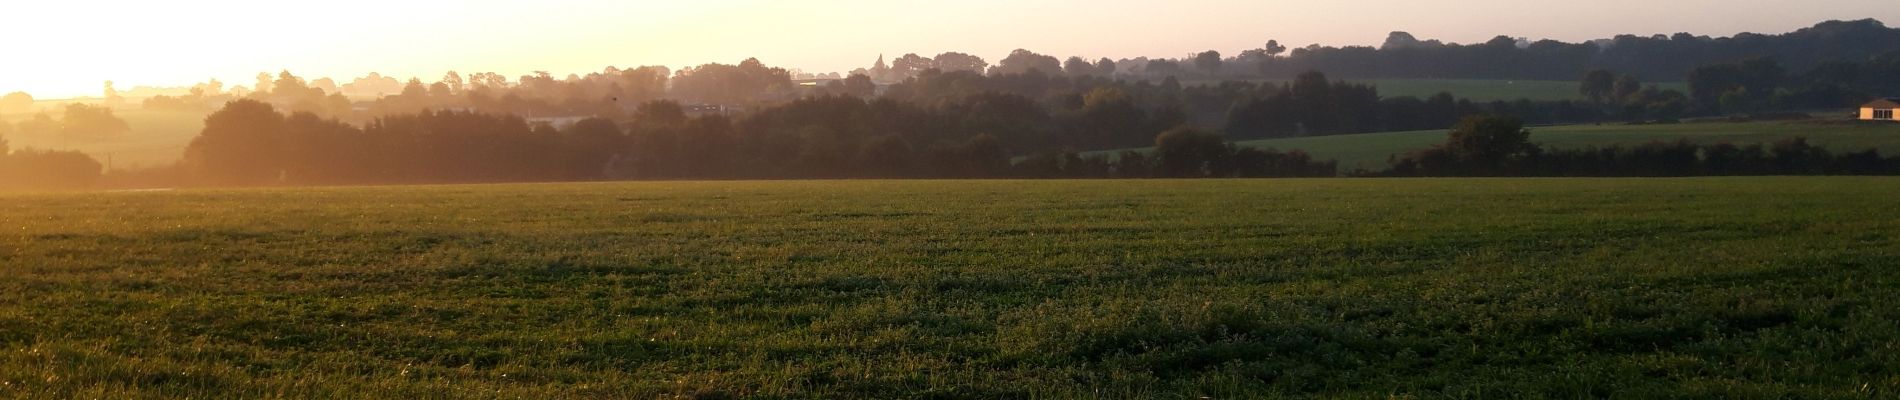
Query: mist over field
[[849, 199]]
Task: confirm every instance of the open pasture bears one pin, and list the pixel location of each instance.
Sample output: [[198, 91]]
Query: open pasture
[[1369, 288]]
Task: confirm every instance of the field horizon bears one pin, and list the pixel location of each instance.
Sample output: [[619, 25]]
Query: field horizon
[[1194, 200]]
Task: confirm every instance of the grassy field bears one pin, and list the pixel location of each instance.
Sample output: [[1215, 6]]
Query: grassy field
[[1370, 150], [1374, 288], [158, 138], [1475, 89]]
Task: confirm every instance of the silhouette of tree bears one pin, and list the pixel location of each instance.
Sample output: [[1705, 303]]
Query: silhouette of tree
[[856, 85], [113, 99], [660, 113], [320, 151], [724, 84], [589, 145], [1208, 62], [36, 169], [1625, 88], [1274, 49], [1022, 61], [16, 102], [40, 125], [82, 121], [1485, 142], [454, 82], [1105, 67], [910, 65], [1076, 66], [954, 61], [241, 145], [1185, 152], [1597, 85], [1162, 68]]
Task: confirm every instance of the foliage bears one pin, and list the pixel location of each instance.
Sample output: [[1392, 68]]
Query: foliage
[[89, 122], [1651, 58], [29, 169]]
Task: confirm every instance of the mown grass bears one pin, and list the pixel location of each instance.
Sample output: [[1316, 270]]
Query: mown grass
[[1429, 288], [1370, 151]]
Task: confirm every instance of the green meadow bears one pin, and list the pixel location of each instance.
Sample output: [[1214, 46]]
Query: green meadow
[[1371, 150], [1368, 288], [1482, 90]]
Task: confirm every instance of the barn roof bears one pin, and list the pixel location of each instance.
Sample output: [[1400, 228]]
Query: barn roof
[[1890, 102]]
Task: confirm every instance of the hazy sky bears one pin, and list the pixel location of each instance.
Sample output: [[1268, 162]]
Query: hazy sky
[[60, 48]]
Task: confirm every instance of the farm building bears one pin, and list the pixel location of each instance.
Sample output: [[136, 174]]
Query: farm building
[[1880, 110]]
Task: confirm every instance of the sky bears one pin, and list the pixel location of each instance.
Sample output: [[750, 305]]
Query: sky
[[68, 48]]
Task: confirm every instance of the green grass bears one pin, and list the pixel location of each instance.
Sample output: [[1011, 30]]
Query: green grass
[[1370, 151], [157, 138], [1372, 288], [1482, 90]]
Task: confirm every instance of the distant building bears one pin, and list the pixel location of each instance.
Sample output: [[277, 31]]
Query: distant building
[[557, 122], [699, 110], [1880, 110], [813, 83]]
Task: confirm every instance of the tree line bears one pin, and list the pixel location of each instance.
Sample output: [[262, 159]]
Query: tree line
[[1491, 145], [1652, 57], [42, 169], [251, 143], [1648, 57], [952, 115]]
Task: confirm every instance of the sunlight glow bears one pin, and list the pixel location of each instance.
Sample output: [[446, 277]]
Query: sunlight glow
[[66, 48]]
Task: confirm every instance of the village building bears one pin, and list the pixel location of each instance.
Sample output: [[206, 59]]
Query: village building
[[1880, 110]]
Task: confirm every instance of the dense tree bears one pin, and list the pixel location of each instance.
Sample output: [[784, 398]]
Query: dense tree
[[1314, 105], [1077, 66], [910, 65], [47, 170], [453, 81], [854, 85], [954, 61], [1105, 67], [590, 146], [1165, 68], [748, 82], [1110, 116], [1022, 61], [88, 122], [1209, 62], [377, 85], [1653, 58], [1191, 153], [240, 145], [322, 151], [16, 102], [1598, 85], [39, 125], [1625, 88], [1486, 142]]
